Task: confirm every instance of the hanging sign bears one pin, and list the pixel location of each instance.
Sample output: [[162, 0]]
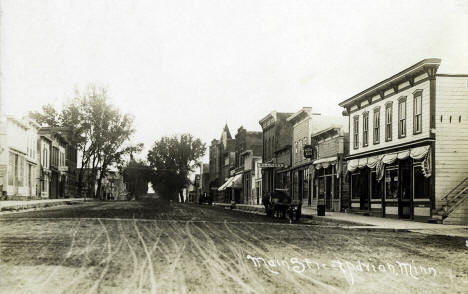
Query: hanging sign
[[308, 151]]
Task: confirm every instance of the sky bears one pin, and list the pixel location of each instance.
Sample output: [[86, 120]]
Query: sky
[[193, 66]]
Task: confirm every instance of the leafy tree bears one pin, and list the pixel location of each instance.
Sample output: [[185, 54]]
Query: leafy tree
[[136, 175], [173, 159], [98, 130]]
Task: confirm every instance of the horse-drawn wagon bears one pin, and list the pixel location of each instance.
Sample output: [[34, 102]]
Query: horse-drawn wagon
[[279, 204]]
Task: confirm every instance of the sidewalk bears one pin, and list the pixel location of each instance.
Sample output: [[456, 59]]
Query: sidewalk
[[356, 221], [13, 205]]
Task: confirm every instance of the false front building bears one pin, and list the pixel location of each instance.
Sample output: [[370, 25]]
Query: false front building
[[408, 145]]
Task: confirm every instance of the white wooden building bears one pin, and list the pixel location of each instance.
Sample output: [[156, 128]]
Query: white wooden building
[[18, 158], [409, 145]]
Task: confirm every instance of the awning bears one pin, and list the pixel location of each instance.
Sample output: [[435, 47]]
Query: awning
[[224, 186], [236, 182], [389, 158], [325, 162]]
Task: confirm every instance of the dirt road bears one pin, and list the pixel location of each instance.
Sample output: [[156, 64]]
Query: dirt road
[[152, 247]]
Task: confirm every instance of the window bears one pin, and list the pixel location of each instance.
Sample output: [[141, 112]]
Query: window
[[402, 117], [421, 184], [417, 110], [365, 129], [388, 122], [391, 184], [377, 125], [356, 132], [11, 169]]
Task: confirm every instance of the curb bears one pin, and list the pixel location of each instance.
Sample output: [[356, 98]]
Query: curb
[[24, 206], [250, 209]]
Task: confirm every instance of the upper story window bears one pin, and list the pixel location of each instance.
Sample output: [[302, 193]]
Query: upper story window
[[417, 112], [365, 129], [388, 121], [356, 132], [377, 125], [402, 117]]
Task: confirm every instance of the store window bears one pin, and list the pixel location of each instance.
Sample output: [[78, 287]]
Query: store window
[[391, 184], [375, 186], [355, 191], [421, 184]]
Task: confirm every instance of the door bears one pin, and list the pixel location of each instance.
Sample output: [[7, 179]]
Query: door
[[328, 192], [300, 185], [404, 194], [364, 189], [15, 186]]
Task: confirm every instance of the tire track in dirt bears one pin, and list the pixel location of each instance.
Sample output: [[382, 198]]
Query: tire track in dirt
[[214, 266], [290, 275], [148, 256], [233, 267]]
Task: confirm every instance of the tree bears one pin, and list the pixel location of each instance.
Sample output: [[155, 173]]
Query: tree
[[98, 130], [173, 159], [137, 174]]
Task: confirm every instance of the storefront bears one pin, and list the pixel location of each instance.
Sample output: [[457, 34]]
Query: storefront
[[327, 189], [233, 187], [395, 184]]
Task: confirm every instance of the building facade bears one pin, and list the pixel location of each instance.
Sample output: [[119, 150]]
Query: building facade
[[276, 151], [408, 135], [18, 158], [328, 183], [248, 145]]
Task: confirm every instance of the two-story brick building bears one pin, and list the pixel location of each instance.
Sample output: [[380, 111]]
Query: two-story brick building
[[248, 146], [276, 153], [408, 144]]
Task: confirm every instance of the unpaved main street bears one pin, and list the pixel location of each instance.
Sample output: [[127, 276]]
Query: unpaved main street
[[155, 247]]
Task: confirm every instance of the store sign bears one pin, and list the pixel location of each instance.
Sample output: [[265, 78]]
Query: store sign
[[267, 165], [308, 151]]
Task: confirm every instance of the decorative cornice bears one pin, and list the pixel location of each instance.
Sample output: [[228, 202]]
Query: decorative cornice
[[428, 66]]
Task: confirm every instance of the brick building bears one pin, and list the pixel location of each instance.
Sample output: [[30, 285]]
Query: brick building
[[276, 151]]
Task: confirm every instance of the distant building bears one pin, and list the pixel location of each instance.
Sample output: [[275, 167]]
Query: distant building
[[205, 179], [18, 158], [57, 162], [276, 151], [248, 147], [222, 161]]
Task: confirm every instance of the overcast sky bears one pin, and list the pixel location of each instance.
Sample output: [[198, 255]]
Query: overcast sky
[[191, 66]]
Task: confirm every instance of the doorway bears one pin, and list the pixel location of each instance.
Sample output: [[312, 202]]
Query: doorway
[[364, 190], [328, 192], [404, 194]]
